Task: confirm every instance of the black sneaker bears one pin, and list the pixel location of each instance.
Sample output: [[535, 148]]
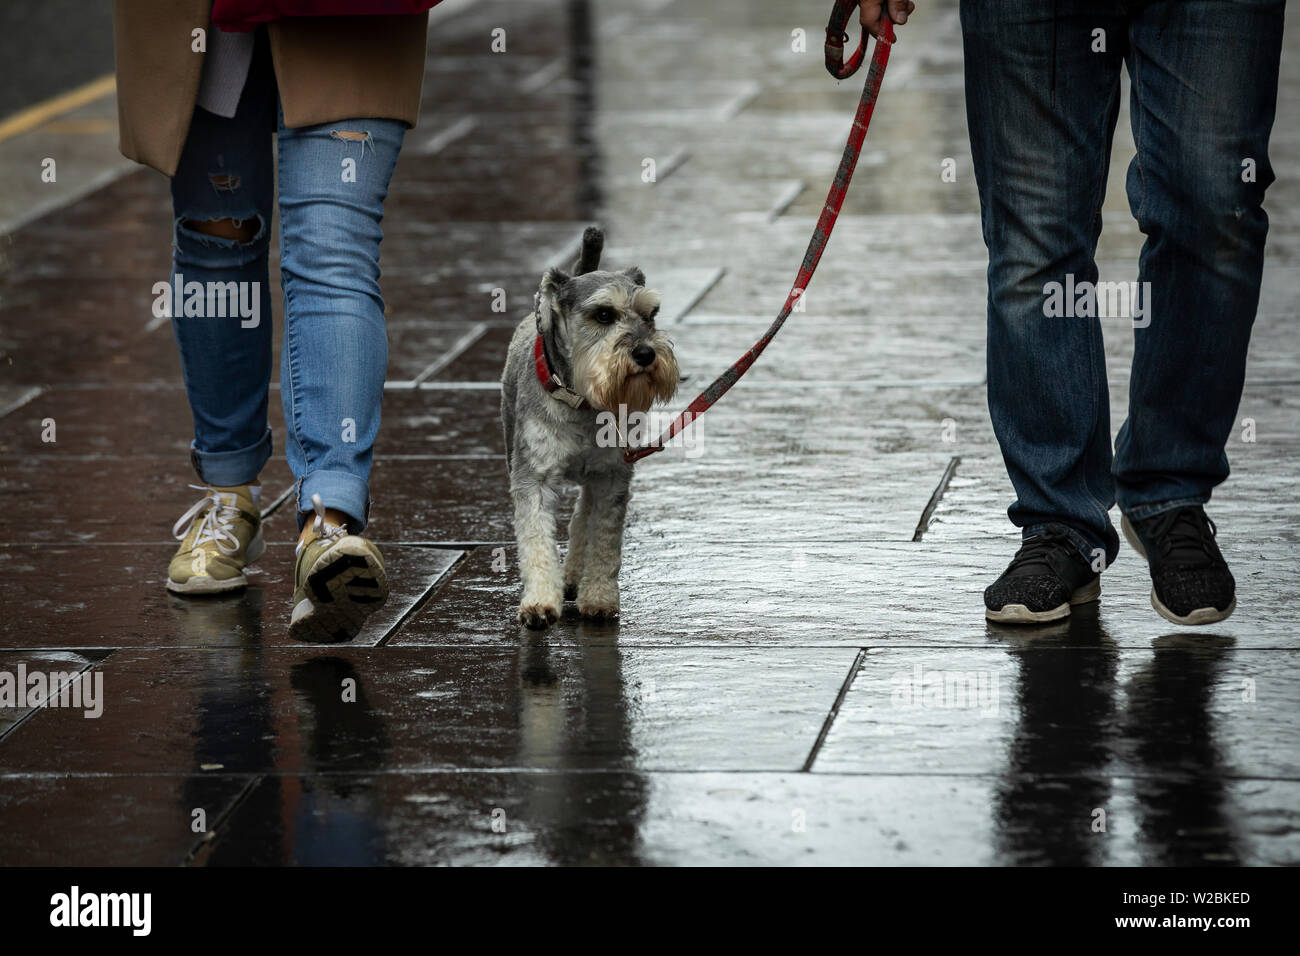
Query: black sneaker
[[1190, 581], [1047, 575]]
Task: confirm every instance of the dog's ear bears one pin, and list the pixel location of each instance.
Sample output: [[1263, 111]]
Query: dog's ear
[[550, 324], [635, 274], [593, 242], [547, 301]]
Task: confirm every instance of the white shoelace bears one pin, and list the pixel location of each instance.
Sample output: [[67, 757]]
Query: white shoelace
[[217, 525], [319, 527]]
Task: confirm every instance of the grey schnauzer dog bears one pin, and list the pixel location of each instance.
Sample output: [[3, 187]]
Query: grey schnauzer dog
[[589, 348]]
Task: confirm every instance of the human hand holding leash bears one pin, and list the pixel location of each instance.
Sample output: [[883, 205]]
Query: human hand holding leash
[[872, 14]]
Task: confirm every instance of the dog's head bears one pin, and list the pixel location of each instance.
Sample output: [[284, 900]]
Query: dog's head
[[599, 332]]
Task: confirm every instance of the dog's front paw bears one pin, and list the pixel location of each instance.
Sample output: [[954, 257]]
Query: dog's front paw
[[599, 604], [538, 614], [598, 612]]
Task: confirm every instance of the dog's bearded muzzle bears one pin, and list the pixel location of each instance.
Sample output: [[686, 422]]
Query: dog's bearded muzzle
[[609, 377]]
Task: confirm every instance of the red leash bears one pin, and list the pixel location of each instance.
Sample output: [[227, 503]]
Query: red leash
[[835, 38]]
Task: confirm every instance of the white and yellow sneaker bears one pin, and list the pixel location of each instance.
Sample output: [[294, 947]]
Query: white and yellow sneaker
[[339, 581], [219, 536]]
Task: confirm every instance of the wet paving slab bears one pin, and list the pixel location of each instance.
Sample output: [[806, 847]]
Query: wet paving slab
[[116, 595], [153, 815], [43, 493], [624, 818], [1246, 507], [819, 551], [880, 350], [155, 422], [877, 594], [742, 819], [58, 669], [1184, 712], [294, 710]]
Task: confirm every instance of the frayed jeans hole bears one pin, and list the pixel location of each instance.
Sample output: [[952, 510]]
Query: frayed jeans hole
[[242, 231], [354, 136], [224, 182]]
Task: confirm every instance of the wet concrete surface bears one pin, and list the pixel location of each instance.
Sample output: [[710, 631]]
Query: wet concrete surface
[[792, 588]]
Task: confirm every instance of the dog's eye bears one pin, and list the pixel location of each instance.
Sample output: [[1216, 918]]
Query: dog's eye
[[605, 315], [654, 314]]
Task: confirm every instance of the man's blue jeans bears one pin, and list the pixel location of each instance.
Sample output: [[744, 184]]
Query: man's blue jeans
[[335, 349], [1042, 98]]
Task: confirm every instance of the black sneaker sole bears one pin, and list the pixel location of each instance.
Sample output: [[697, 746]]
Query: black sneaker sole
[[1019, 614], [1202, 615], [343, 590]]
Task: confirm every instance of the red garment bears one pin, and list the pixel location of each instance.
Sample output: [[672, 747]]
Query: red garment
[[240, 16]]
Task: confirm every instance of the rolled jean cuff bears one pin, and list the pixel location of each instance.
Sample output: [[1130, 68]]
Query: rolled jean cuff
[[340, 490], [1142, 512], [227, 468]]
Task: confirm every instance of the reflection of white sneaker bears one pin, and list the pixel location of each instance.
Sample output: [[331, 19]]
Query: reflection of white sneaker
[[339, 581], [220, 535]]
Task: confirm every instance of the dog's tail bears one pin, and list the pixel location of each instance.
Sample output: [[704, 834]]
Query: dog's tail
[[593, 242]]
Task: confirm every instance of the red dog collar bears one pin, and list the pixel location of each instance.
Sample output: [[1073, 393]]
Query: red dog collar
[[551, 382]]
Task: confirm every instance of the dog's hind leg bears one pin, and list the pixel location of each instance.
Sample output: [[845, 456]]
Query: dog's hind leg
[[539, 556], [603, 556], [574, 559]]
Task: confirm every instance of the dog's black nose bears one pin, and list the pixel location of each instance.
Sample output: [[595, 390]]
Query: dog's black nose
[[644, 355]]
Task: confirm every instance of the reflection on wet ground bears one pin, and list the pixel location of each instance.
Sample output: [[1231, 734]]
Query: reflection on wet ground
[[802, 673]]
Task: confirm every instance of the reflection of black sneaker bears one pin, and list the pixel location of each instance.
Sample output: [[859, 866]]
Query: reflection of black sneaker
[[1046, 576], [1190, 581]]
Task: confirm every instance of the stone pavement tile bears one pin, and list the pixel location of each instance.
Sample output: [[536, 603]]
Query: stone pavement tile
[[671, 215], [114, 596], [440, 500], [154, 422], [131, 250], [622, 818], [1250, 508], [938, 271], [531, 706], [692, 100], [1166, 729], [462, 423], [1182, 715], [1272, 348], [878, 594], [109, 820], [894, 175], [849, 349], [65, 330], [138, 499], [453, 190], [421, 343], [111, 422], [59, 667], [412, 303], [110, 500], [130, 205], [791, 497], [904, 820], [843, 421], [450, 136], [1274, 413], [14, 396], [1271, 357], [460, 253]]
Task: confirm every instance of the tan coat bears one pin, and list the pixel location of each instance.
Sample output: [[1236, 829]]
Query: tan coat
[[327, 68]]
